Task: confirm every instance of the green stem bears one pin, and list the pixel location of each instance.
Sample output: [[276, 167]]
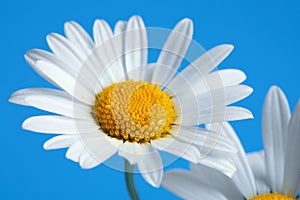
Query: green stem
[[129, 178]]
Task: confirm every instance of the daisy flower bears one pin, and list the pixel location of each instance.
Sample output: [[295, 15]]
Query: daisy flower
[[112, 101], [267, 175]]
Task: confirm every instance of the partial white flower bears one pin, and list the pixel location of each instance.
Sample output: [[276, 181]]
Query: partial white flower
[[112, 101], [270, 174]]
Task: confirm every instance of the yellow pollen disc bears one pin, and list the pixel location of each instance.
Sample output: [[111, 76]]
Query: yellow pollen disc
[[134, 111], [273, 196]]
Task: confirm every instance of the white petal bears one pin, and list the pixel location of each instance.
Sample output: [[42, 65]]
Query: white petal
[[213, 115], [203, 138], [213, 58], [78, 36], [136, 44], [210, 106], [111, 58], [51, 66], [189, 185], [276, 114], [178, 148], [217, 180], [179, 86], [147, 158], [100, 147], [150, 165], [67, 82], [207, 62], [143, 73], [59, 142], [219, 161], [60, 77], [35, 55], [217, 55], [66, 50], [102, 32], [237, 113], [231, 95], [236, 93], [206, 83], [257, 163], [243, 178], [212, 100], [228, 77], [120, 27], [87, 161], [59, 124], [130, 150], [74, 151], [174, 49], [104, 66], [51, 100], [292, 163]]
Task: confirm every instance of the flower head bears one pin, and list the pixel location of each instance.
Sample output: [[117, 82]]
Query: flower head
[[113, 101], [267, 175]]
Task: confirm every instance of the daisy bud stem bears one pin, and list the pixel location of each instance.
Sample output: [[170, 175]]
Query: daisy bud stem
[[129, 178]]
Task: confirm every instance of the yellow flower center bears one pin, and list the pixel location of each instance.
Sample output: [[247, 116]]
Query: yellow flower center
[[273, 196], [134, 111]]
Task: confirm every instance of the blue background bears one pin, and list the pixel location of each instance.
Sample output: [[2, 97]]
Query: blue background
[[266, 36]]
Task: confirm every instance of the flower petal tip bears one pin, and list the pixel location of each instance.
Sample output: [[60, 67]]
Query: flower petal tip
[[46, 146], [274, 90], [26, 124], [155, 183], [135, 18], [187, 22], [229, 47]]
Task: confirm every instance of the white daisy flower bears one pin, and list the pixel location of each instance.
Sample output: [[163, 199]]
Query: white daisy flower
[[112, 101], [267, 175]]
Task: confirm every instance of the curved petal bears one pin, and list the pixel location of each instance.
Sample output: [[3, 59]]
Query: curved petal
[[204, 183], [129, 150], [257, 163], [67, 82], [228, 77], [202, 66], [276, 114], [59, 125], [102, 32], [132, 150], [66, 49], [34, 55], [213, 115], [151, 167], [136, 44], [111, 57], [87, 161], [208, 107], [99, 147], [178, 148], [147, 158], [219, 161], [120, 27], [236, 93], [51, 100], [243, 178], [59, 142], [78, 36], [292, 163], [174, 50], [200, 137], [232, 94], [74, 151], [215, 179]]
